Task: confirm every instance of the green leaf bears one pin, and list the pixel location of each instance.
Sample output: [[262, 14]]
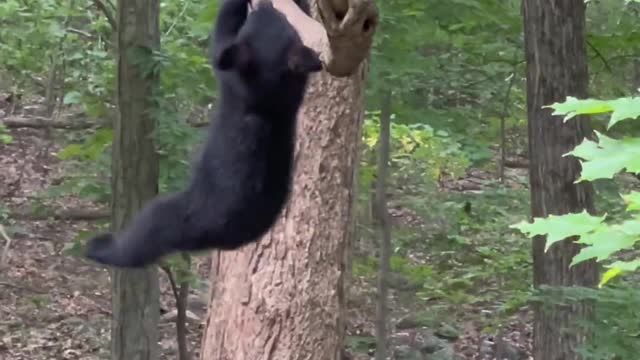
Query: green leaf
[[92, 148], [573, 106], [608, 275], [558, 228], [72, 97], [71, 151], [625, 266], [633, 201], [625, 108], [607, 157], [603, 243], [618, 268]]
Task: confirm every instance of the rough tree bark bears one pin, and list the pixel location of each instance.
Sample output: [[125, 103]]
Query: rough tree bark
[[134, 332], [556, 68], [283, 297]]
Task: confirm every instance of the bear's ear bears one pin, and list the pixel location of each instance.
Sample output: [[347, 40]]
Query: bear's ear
[[303, 60], [236, 55]]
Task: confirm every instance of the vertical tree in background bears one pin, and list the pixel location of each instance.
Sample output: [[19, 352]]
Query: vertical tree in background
[[556, 68], [134, 334], [384, 227], [283, 297]]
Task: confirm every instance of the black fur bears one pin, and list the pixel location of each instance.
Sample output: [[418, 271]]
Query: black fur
[[242, 179], [304, 6]]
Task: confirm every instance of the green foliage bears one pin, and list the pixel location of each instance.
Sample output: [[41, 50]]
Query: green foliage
[[600, 160], [608, 157], [614, 322], [621, 109], [42, 39], [180, 265], [361, 344], [418, 153], [87, 164], [459, 258], [365, 266], [449, 65], [91, 149], [558, 228], [415, 273], [4, 137], [74, 45]]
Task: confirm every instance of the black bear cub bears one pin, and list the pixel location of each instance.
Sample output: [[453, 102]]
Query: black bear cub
[[242, 180]]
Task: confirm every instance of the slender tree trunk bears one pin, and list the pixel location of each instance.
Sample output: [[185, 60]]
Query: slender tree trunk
[[636, 77], [134, 333], [556, 68], [384, 226], [503, 119]]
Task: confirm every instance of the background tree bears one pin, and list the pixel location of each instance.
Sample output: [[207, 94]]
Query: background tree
[[384, 228], [284, 297], [135, 296], [556, 68]]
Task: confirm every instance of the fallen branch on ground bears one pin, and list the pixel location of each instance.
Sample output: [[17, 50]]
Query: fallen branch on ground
[[7, 245], [517, 163], [39, 122], [64, 214]]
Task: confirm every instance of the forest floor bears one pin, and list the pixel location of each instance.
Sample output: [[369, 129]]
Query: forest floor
[[53, 305], [57, 306]]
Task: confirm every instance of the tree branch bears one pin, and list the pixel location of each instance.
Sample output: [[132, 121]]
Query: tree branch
[[5, 250], [39, 122], [107, 13], [516, 162], [181, 294], [67, 214], [172, 281], [80, 32], [600, 56]]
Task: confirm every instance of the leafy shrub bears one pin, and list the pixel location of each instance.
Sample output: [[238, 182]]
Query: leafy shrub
[[601, 159], [616, 316]]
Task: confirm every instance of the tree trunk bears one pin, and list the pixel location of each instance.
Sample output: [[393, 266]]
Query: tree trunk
[[283, 298], [556, 68], [136, 311], [384, 227]]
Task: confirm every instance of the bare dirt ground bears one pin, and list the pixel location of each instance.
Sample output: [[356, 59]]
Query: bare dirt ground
[[54, 305]]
